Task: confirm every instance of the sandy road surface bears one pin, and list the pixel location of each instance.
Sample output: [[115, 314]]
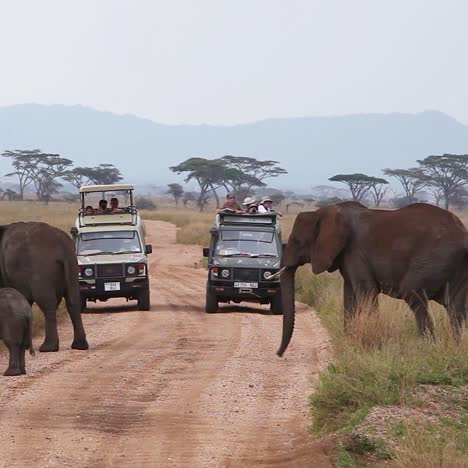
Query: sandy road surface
[[169, 387]]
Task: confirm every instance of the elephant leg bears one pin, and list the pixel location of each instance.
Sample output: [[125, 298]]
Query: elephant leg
[[51, 341], [419, 305], [350, 303], [457, 309], [79, 334], [14, 366]]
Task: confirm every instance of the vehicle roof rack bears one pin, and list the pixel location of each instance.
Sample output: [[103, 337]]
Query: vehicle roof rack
[[236, 219], [106, 188], [129, 217]]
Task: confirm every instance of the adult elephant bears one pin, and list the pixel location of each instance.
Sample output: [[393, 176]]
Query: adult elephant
[[40, 262], [416, 253]]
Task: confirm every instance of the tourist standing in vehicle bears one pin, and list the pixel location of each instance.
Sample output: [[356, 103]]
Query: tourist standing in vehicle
[[103, 207], [114, 206], [250, 205], [230, 205], [265, 206]]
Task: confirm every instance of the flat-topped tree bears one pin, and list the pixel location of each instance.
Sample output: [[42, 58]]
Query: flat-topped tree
[[40, 169], [104, 174], [209, 174], [360, 184], [448, 172], [251, 172], [21, 161], [176, 191], [412, 181]]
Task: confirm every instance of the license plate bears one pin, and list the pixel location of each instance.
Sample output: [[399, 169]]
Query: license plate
[[114, 286], [246, 285]]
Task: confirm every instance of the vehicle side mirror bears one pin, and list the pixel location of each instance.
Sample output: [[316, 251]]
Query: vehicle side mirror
[[284, 244], [206, 251], [74, 231], [148, 249]]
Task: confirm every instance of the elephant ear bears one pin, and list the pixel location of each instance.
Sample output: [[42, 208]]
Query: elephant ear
[[332, 232]]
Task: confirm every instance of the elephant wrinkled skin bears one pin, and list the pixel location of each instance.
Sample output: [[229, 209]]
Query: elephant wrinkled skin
[[417, 253], [15, 328], [39, 261]]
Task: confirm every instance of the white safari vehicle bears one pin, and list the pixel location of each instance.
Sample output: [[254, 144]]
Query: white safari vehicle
[[110, 247]]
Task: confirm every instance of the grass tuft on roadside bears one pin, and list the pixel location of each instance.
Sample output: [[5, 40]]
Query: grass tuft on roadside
[[383, 362]]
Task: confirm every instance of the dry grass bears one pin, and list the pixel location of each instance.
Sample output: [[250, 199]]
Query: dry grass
[[60, 215], [382, 362]]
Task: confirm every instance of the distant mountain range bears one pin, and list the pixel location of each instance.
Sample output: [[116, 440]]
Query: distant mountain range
[[312, 149]]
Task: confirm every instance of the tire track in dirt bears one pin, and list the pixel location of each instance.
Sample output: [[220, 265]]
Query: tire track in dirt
[[169, 387]]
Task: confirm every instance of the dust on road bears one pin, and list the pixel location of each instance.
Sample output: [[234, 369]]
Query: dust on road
[[170, 387]]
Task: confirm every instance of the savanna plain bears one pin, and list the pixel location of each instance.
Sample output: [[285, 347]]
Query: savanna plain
[[187, 389]]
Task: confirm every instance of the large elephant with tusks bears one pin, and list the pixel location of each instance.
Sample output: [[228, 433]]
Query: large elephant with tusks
[[40, 262], [417, 253]]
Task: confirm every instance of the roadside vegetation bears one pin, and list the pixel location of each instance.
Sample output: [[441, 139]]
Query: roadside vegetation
[[389, 394]]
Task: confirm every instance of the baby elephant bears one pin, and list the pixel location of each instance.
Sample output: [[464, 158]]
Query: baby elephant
[[15, 328]]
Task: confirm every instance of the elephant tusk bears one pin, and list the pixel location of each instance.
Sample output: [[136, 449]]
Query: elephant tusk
[[275, 275]]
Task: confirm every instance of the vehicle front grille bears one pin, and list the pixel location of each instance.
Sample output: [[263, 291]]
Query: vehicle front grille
[[246, 274], [112, 270]]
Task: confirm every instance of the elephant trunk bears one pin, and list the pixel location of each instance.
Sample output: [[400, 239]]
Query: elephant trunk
[[288, 305]]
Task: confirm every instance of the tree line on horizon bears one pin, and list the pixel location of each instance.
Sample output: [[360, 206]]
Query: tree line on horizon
[[445, 177], [43, 171]]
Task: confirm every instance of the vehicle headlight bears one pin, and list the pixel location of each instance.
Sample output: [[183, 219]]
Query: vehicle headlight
[[267, 274], [225, 273], [89, 272], [131, 270]]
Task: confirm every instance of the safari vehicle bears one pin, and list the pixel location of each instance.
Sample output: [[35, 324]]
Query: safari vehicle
[[111, 249], [245, 250]]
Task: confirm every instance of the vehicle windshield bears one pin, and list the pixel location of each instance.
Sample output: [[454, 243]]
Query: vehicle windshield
[[111, 242], [246, 243]]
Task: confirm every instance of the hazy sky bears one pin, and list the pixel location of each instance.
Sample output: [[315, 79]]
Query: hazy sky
[[224, 62]]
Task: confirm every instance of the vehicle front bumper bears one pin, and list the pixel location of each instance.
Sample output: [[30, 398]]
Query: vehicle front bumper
[[129, 288], [225, 291]]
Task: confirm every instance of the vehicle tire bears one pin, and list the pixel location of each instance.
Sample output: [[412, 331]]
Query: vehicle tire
[[211, 304], [275, 305], [144, 300], [83, 304]]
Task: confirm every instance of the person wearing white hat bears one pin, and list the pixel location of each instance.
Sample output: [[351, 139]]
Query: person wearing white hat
[[265, 206], [250, 205]]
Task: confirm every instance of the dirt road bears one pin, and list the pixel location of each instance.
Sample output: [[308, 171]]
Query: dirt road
[[171, 387]]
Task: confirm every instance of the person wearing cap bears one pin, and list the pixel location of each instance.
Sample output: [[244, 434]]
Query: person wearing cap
[[250, 205], [265, 206], [230, 205]]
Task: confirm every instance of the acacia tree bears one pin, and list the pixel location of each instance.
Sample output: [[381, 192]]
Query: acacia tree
[[21, 161], [176, 191], [104, 174], [250, 172], [412, 181], [209, 175], [448, 172], [358, 184], [43, 169], [378, 189], [233, 173]]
